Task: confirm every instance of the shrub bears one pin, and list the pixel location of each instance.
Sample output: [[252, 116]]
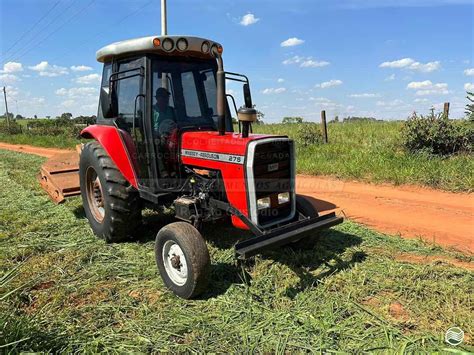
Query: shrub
[[436, 134], [309, 134], [57, 127], [13, 128]]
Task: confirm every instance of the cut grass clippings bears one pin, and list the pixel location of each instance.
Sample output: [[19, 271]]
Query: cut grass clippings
[[64, 290]]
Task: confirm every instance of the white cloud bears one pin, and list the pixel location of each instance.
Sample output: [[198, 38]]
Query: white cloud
[[11, 91], [364, 95], [469, 87], [411, 64], [273, 91], [68, 103], [12, 67], [80, 68], [469, 72], [319, 99], [249, 19], [392, 103], [293, 60], [428, 88], [328, 84], [290, 42], [390, 77], [88, 79], [420, 84], [46, 69], [418, 100], [281, 80], [309, 63], [78, 92], [306, 62], [8, 78]]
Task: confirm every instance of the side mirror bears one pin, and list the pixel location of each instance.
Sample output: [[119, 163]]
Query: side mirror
[[106, 102], [247, 96]]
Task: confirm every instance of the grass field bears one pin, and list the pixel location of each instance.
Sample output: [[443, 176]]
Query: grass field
[[61, 289], [367, 151]]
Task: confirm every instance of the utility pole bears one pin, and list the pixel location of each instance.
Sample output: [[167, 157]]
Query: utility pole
[[6, 106], [164, 27], [164, 32]]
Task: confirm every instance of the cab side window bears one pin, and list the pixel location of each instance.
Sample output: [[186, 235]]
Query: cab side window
[[106, 72]]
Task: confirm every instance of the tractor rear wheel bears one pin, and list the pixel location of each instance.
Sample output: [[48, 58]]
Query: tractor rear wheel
[[111, 204], [307, 209], [183, 259]]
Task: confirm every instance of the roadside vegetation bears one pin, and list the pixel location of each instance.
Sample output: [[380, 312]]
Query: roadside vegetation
[[424, 150], [63, 290], [374, 151]]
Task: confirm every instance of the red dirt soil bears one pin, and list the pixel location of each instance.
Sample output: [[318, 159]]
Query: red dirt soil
[[440, 217]]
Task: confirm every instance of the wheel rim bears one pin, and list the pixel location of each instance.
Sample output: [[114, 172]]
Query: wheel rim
[[175, 263], [95, 195]]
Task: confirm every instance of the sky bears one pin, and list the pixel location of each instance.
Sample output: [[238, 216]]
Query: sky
[[378, 58]]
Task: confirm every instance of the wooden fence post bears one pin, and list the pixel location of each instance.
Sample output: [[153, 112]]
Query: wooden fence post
[[446, 109], [325, 128]]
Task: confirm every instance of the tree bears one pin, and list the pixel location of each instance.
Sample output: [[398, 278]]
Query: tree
[[18, 117], [10, 115], [470, 106], [287, 120], [66, 116], [36, 116], [260, 117]]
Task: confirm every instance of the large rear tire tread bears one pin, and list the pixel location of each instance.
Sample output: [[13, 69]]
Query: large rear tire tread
[[121, 201], [197, 257]]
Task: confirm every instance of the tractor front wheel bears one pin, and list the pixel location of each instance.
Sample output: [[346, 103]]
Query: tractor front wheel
[[183, 259], [111, 204]]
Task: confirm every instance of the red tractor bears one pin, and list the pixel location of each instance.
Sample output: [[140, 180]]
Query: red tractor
[[164, 137]]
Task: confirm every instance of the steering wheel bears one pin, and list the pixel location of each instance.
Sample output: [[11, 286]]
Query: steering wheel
[[166, 127]]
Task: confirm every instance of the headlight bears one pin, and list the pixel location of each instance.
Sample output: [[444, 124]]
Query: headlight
[[205, 47], [263, 203], [167, 44], [283, 197], [182, 44]]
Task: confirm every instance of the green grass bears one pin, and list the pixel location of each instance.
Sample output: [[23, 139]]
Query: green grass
[[366, 151], [41, 141], [372, 151], [63, 290]]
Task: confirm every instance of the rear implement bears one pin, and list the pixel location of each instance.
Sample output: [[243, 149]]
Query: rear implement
[[59, 176]]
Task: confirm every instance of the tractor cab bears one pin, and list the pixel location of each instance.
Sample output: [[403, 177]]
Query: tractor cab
[[154, 89]]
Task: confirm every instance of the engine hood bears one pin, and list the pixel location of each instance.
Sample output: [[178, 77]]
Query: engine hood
[[210, 141]]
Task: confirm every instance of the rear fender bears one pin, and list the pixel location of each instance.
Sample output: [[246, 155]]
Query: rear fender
[[119, 146]]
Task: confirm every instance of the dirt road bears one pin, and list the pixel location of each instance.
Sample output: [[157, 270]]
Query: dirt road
[[444, 218]]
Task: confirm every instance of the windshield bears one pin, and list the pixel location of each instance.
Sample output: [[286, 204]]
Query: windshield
[[185, 91]]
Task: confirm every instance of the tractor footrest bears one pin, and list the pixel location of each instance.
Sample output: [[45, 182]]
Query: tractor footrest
[[284, 235]]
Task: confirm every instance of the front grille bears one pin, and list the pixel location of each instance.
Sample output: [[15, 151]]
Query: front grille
[[272, 172]]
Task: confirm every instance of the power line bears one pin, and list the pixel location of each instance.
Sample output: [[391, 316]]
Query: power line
[[32, 27], [57, 29], [82, 44], [32, 40]]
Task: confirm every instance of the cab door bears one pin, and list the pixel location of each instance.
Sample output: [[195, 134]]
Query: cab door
[[130, 87]]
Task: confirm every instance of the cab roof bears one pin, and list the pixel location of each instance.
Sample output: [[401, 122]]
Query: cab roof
[[167, 45]]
